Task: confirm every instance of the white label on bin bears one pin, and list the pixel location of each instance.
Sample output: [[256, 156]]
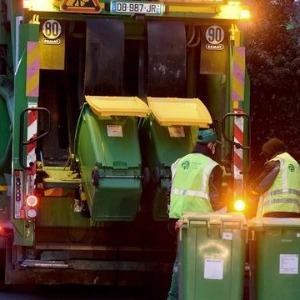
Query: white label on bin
[[213, 269], [114, 130], [227, 236], [176, 131], [289, 264]]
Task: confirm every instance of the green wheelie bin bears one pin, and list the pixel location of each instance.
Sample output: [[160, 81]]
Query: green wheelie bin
[[108, 152], [274, 246], [212, 250]]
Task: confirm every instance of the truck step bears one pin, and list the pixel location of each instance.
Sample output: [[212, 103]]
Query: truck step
[[29, 263]]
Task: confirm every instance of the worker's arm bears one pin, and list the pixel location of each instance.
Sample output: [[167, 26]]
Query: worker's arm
[[215, 189], [264, 181]]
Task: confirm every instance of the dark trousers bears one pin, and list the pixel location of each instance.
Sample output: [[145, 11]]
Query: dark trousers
[[173, 291]]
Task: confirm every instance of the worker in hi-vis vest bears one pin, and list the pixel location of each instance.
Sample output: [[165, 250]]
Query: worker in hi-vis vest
[[278, 185], [195, 187]]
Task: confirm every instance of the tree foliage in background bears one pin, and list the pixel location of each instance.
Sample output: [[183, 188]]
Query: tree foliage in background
[[273, 61]]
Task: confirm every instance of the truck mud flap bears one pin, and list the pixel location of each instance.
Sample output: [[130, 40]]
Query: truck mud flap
[[104, 57], [166, 59]]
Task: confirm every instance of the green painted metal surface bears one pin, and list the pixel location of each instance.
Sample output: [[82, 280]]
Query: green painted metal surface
[[24, 234], [5, 133], [212, 249], [28, 32], [59, 212], [118, 160]]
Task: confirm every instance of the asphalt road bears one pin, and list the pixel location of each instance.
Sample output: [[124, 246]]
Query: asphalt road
[[78, 292], [75, 292]]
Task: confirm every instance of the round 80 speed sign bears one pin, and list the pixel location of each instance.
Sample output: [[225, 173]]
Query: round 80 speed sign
[[51, 29]]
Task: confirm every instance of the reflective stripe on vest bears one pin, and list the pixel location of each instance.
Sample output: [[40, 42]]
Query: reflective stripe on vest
[[190, 193], [282, 201], [284, 191]]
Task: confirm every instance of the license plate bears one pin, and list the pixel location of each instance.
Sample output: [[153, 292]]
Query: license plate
[[150, 8]]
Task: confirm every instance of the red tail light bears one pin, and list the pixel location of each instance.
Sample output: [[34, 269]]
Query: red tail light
[[31, 201]]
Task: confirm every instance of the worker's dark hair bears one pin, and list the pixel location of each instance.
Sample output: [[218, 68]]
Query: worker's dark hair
[[272, 147]]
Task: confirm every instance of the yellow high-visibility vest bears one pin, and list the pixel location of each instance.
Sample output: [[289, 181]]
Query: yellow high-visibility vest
[[284, 194], [190, 185]]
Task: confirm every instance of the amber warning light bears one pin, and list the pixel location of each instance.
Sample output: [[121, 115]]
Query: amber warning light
[[239, 205]]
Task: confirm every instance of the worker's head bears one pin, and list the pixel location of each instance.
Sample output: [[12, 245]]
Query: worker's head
[[273, 147], [206, 136], [209, 138]]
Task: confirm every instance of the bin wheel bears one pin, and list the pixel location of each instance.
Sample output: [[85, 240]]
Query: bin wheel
[[146, 176]]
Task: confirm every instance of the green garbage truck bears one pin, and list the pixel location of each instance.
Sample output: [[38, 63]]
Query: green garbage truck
[[97, 99]]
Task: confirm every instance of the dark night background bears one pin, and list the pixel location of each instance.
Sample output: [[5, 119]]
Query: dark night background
[[273, 61]]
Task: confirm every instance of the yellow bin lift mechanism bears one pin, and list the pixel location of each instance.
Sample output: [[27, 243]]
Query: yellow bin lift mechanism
[[166, 111]]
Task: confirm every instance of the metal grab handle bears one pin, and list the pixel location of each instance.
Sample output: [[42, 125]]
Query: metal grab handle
[[242, 115], [32, 140]]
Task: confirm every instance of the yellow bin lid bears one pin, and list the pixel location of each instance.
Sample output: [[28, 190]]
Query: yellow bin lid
[[180, 111], [118, 106]]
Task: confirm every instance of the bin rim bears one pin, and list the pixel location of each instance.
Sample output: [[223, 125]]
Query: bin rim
[[214, 217], [263, 222]]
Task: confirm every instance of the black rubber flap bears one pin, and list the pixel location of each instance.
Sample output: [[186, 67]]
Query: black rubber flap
[[104, 57], [166, 59]]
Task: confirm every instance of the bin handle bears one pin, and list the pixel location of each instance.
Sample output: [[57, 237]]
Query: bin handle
[[240, 223], [195, 221]]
